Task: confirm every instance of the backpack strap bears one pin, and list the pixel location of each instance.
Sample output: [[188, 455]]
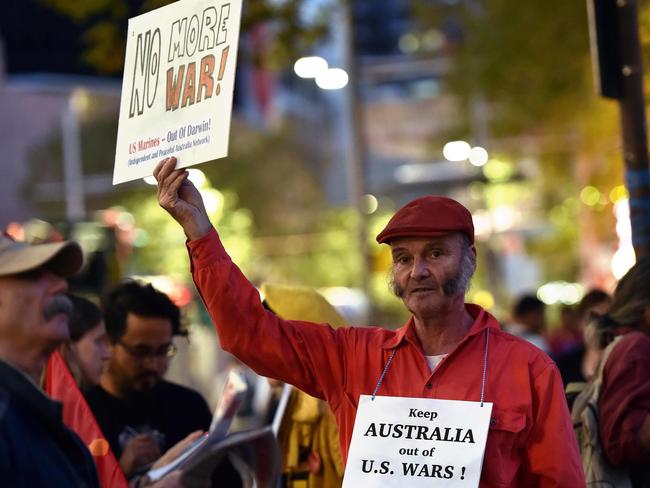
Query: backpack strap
[[601, 364]]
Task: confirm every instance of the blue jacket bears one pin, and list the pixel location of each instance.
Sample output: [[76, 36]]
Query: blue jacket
[[36, 448]]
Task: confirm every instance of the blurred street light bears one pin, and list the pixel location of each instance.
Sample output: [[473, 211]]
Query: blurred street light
[[456, 151], [560, 292], [433, 40], [409, 43], [478, 156], [310, 66], [624, 258], [618, 193], [332, 79], [622, 261], [590, 195], [370, 203]]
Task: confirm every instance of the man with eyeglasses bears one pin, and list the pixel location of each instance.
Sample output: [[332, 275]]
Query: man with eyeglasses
[[140, 413]]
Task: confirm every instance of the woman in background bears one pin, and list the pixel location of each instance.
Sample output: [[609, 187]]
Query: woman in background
[[77, 365], [87, 350], [625, 391]]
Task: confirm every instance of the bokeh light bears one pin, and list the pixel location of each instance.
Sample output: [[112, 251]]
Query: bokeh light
[[478, 156], [590, 195], [332, 79], [310, 66], [456, 151]]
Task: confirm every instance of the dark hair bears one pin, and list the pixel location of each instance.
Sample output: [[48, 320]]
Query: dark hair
[[631, 297], [592, 299], [85, 316], [526, 304], [140, 299]]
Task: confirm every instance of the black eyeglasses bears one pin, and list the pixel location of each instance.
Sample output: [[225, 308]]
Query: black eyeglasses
[[142, 352]]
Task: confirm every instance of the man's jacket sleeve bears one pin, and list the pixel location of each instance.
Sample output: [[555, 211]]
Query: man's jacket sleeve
[[307, 355], [7, 470]]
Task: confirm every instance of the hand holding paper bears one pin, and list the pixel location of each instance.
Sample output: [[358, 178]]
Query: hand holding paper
[[139, 451], [177, 449], [199, 446]]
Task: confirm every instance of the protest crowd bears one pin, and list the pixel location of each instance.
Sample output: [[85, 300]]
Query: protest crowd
[[82, 383]]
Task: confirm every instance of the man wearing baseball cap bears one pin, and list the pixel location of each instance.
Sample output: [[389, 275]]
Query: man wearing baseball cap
[[448, 350], [36, 449]]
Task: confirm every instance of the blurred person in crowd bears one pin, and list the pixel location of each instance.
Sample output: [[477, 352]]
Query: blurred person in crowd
[[448, 349], [625, 390], [86, 352], [578, 364], [75, 367], [36, 448], [308, 435], [592, 306], [529, 321], [140, 413], [568, 334]]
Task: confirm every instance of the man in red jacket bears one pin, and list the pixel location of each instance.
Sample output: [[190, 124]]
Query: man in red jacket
[[448, 349]]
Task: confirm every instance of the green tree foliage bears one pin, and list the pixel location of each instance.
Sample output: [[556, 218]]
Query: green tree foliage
[[105, 27], [531, 62], [273, 218], [160, 243]]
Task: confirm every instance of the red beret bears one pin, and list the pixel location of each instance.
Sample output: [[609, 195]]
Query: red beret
[[428, 216]]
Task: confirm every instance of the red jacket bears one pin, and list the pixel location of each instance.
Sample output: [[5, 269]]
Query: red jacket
[[625, 400], [531, 440]]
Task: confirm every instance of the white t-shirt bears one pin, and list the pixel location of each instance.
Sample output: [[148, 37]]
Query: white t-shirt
[[434, 361]]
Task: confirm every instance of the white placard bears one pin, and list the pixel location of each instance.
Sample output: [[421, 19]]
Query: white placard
[[179, 76], [417, 442]]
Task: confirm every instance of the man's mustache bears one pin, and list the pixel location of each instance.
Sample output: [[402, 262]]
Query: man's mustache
[[60, 304], [449, 287]]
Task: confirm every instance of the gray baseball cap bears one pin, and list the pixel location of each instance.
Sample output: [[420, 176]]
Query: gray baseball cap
[[61, 258]]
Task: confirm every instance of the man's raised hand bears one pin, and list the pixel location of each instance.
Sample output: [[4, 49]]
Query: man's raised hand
[[181, 199]]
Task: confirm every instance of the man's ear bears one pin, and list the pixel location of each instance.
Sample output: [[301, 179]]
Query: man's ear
[[473, 248]]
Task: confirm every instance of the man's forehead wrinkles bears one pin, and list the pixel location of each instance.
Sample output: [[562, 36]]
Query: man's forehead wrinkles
[[407, 245]]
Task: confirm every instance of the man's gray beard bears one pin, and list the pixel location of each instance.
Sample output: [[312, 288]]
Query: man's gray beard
[[60, 304], [455, 285]]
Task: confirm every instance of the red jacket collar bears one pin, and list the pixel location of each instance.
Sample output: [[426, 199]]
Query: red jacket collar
[[482, 320]]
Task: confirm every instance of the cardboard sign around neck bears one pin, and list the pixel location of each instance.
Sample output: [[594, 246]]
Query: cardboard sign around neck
[[417, 442]]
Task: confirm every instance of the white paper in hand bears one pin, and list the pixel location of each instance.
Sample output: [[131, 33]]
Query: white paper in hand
[[221, 421]]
